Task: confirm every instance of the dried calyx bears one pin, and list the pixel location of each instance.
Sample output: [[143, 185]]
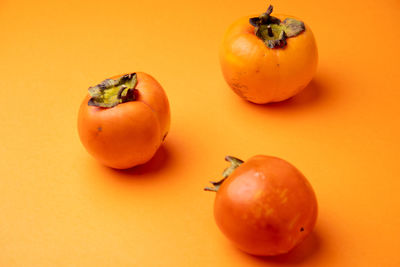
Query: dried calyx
[[274, 32], [235, 162], [110, 92]]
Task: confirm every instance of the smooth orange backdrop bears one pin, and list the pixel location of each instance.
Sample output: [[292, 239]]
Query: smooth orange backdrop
[[59, 207]]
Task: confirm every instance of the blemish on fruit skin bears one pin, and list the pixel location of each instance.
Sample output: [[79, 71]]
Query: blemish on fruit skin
[[257, 212], [268, 212], [165, 135], [259, 175], [301, 229], [238, 88], [283, 195], [99, 129], [293, 222], [258, 194]]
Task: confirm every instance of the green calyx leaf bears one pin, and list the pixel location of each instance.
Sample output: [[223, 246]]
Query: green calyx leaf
[[110, 92], [293, 27], [235, 162], [273, 32]]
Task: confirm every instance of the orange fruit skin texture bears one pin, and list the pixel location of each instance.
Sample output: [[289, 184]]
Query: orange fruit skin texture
[[260, 74], [130, 133], [266, 206]]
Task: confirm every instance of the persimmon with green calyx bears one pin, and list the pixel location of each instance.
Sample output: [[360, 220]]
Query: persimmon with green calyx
[[265, 206], [123, 120], [268, 58]]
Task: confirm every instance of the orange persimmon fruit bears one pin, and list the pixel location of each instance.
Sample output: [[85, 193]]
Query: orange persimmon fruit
[[268, 58], [265, 206], [123, 120]]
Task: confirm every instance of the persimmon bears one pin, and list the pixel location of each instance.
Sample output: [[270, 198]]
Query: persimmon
[[268, 58], [123, 120], [265, 206]]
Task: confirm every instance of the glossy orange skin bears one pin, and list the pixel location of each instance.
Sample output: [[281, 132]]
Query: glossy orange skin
[[266, 206], [260, 74], [130, 133]]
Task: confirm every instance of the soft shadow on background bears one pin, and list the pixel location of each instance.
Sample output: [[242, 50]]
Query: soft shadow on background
[[307, 249], [154, 165], [163, 166], [141, 174], [318, 94], [147, 172], [313, 93]]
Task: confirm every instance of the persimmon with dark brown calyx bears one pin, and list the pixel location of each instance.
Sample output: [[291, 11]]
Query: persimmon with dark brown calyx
[[268, 58], [123, 120], [265, 206]]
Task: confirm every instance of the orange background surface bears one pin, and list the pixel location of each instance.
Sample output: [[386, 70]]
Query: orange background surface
[[59, 207]]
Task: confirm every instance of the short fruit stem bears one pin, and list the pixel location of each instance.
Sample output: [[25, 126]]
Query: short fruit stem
[[235, 162], [270, 33]]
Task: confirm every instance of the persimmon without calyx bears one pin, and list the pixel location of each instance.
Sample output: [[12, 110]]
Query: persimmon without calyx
[[265, 206], [268, 58], [123, 120]]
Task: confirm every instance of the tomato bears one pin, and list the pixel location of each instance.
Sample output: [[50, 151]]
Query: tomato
[[124, 120], [268, 58], [265, 206]]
